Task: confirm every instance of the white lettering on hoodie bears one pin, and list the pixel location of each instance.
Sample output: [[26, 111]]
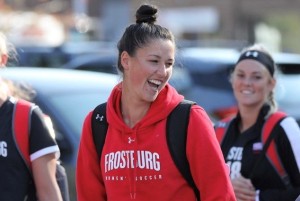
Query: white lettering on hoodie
[[125, 159]]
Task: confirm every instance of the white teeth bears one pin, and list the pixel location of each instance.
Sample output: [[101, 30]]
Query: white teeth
[[157, 82], [246, 92]]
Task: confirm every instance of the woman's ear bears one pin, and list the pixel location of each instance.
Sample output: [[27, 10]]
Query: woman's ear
[[3, 60], [125, 60], [272, 83]]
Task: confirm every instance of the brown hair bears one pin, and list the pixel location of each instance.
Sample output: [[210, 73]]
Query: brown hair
[[142, 32]]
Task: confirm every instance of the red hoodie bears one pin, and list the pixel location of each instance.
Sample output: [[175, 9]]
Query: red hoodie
[[136, 163]]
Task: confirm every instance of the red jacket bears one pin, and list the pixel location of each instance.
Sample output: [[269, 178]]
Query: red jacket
[[136, 163]]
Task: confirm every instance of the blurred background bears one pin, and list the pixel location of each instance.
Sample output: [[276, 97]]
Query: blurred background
[[209, 22], [65, 51]]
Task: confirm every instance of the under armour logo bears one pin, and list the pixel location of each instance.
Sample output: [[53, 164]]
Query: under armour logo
[[130, 140], [251, 53], [100, 117]]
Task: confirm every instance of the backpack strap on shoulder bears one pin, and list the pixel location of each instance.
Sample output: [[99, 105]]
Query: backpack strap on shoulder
[[221, 128], [270, 149], [21, 129], [99, 127], [177, 125], [176, 136]]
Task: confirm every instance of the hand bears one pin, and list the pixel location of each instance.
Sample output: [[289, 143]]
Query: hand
[[243, 189]]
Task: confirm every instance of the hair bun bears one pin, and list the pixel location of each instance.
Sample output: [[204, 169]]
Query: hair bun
[[147, 14]]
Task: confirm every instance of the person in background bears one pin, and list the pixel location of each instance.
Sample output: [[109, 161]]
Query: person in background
[[16, 180], [137, 112], [253, 82]]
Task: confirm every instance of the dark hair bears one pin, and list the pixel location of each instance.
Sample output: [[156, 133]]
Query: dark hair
[[142, 32]]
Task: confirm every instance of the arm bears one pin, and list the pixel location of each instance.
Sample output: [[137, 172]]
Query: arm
[[44, 153], [43, 169], [207, 164], [89, 182]]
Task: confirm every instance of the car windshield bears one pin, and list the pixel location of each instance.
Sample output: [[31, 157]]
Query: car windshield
[[73, 107]]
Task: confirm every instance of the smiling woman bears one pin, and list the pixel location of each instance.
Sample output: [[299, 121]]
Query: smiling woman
[[136, 162], [147, 72], [254, 172]]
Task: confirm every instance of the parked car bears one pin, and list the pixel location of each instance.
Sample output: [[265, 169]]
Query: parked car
[[287, 93], [55, 56], [210, 69], [66, 96], [94, 62]]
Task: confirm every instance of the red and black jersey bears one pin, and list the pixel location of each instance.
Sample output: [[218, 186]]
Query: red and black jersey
[[15, 178], [242, 150]]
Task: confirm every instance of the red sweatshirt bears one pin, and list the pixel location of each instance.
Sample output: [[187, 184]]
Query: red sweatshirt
[[136, 163]]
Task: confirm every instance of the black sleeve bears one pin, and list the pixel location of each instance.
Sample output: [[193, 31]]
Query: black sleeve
[[41, 141]]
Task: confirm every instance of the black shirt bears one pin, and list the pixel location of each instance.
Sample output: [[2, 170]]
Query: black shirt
[[15, 177], [241, 151]]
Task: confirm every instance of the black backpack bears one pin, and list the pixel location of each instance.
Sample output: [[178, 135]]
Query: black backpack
[[21, 128], [176, 136]]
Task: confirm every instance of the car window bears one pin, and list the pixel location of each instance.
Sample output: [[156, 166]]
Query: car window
[[286, 68], [106, 67]]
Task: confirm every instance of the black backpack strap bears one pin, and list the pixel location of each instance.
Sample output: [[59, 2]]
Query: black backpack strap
[[177, 125], [176, 136], [99, 127]]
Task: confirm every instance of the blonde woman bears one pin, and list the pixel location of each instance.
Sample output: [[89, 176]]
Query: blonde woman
[[16, 181], [253, 176]]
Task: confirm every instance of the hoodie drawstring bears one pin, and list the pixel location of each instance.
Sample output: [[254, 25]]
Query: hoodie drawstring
[[132, 174], [135, 164]]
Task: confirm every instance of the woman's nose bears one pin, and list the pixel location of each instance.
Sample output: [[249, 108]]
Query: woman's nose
[[247, 81], [162, 70]]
